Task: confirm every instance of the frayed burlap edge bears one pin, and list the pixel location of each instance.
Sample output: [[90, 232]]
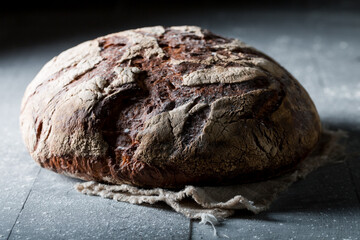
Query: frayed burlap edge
[[211, 204]]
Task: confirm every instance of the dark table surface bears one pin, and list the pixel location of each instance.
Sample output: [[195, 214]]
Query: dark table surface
[[320, 48]]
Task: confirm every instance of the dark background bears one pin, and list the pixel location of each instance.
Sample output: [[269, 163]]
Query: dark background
[[36, 22]]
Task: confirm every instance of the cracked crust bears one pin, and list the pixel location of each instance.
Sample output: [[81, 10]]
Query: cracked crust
[[166, 107]]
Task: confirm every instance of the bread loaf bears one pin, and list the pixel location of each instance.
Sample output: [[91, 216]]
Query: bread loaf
[[166, 107]]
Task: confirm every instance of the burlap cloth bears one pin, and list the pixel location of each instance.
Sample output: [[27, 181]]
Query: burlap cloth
[[211, 204]]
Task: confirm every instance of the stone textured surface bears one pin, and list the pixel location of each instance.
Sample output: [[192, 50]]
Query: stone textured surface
[[321, 49]]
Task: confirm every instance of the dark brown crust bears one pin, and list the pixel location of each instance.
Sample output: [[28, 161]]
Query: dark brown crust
[[275, 105]]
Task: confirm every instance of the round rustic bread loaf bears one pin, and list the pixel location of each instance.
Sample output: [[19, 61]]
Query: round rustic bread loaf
[[166, 107]]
